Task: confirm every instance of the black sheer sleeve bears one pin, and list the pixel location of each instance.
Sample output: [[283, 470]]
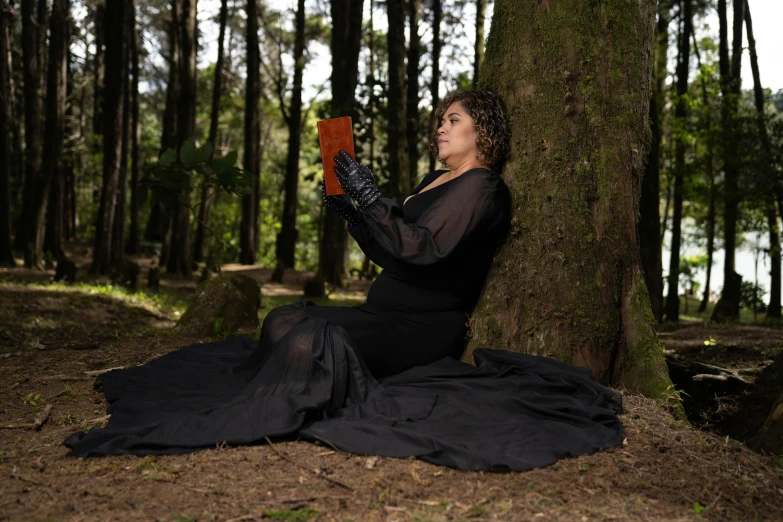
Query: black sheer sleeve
[[475, 203]]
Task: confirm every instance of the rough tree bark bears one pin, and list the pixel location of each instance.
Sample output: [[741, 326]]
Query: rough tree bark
[[727, 308], [568, 282], [773, 310], [412, 94], [345, 45], [478, 47], [207, 193], [15, 108], [247, 239], [115, 24], [437, 14], [120, 209], [399, 183], [649, 204], [6, 256], [32, 135], [680, 121], [286, 239], [179, 261], [98, 71], [53, 132], [159, 223], [134, 232]]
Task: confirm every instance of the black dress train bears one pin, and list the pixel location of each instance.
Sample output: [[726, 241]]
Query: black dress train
[[380, 378]]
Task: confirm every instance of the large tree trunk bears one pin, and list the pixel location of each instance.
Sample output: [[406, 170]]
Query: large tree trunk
[[412, 97], [120, 210], [53, 132], [251, 161], [98, 71], [345, 45], [680, 120], [32, 135], [179, 261], [437, 14], [568, 282], [286, 240], [649, 203], [727, 308], [6, 257], [478, 47], [115, 24], [159, 223], [15, 112], [773, 310], [208, 193], [134, 232], [399, 183]]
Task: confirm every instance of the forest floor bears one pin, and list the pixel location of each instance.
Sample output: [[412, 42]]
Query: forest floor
[[53, 335]]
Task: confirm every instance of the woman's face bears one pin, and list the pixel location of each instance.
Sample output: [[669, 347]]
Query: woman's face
[[457, 137]]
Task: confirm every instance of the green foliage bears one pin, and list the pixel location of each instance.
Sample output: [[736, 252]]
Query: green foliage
[[751, 296], [33, 399], [218, 327], [175, 173]]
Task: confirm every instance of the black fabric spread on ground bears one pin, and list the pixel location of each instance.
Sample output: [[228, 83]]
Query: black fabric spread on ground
[[381, 378]]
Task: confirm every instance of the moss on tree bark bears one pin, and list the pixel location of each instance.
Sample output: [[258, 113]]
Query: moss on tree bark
[[567, 284]]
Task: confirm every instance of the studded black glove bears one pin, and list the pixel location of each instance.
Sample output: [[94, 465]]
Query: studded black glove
[[356, 179], [342, 204]]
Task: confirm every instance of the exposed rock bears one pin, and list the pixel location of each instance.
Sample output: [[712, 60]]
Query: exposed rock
[[217, 308], [252, 292]]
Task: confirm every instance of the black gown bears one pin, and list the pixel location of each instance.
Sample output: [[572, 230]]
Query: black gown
[[381, 378]]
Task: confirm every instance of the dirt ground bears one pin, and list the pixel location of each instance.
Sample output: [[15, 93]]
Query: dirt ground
[[51, 336]]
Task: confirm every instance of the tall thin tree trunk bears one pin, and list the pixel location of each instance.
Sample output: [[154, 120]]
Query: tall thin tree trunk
[[208, 193], [568, 281], [32, 134], [727, 308], [680, 120], [286, 240], [247, 240], [15, 113], [69, 175], [53, 132], [412, 98], [116, 28], [179, 261], [399, 183], [6, 256], [42, 26], [98, 71], [773, 310], [134, 232], [478, 47], [345, 45], [650, 200], [120, 210], [160, 220], [437, 14]]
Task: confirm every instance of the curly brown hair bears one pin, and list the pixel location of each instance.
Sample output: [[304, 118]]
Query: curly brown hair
[[489, 119]]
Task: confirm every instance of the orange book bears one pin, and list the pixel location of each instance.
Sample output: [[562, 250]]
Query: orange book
[[334, 135]]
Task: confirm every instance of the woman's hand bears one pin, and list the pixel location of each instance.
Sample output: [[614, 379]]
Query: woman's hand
[[342, 204], [356, 179]]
